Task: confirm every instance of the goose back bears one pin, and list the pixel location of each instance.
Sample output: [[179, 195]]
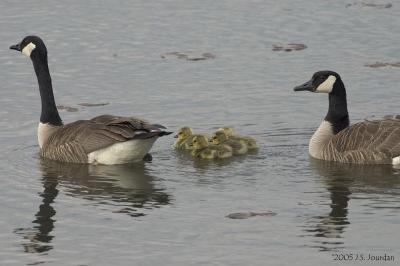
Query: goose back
[[73, 142], [367, 142]]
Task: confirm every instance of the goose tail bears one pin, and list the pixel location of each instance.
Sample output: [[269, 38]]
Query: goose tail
[[151, 131]]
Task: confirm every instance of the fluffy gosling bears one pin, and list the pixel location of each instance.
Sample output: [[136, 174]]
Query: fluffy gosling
[[202, 149], [184, 139], [239, 146], [250, 141]]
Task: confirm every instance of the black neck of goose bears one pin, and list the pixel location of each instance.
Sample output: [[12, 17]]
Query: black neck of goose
[[49, 113], [338, 115]]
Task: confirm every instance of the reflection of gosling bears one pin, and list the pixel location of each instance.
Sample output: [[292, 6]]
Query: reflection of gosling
[[238, 146], [250, 141], [202, 149], [184, 139]]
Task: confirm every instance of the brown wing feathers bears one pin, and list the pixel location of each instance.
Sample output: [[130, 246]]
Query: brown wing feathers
[[367, 142], [77, 139]]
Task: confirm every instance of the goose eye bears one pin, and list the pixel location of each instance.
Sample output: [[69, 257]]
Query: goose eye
[[321, 79]]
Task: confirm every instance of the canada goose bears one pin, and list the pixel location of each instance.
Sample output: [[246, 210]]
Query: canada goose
[[105, 139], [202, 149], [239, 147], [367, 142], [250, 141]]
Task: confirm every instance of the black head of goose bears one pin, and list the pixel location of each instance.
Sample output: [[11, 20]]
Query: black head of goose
[[105, 139], [366, 142]]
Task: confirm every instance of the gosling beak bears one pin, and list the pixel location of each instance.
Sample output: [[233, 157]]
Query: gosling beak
[[308, 86], [16, 47], [176, 136]]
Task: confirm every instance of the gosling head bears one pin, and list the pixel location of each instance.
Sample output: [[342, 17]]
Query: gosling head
[[200, 142], [184, 133], [219, 137], [31, 46], [229, 131], [322, 81]]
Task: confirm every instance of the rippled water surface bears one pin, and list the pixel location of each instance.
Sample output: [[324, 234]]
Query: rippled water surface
[[173, 211]]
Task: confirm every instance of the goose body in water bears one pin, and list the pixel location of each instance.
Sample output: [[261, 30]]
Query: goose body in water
[[105, 139], [367, 142]]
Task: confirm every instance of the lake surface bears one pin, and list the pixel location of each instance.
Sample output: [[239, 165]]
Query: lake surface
[[173, 211]]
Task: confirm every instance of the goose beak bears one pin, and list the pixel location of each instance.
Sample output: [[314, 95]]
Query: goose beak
[[16, 47], [308, 86]]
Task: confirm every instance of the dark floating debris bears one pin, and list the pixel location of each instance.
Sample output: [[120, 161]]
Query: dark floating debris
[[92, 104], [245, 215], [303, 203], [382, 64], [148, 158], [289, 47], [188, 56], [380, 6], [67, 108], [177, 55]]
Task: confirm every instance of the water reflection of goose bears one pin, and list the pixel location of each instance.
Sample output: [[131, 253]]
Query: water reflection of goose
[[342, 180], [360, 178], [129, 189]]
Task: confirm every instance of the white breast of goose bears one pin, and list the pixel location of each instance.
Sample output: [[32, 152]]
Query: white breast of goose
[[123, 152], [320, 139], [44, 132], [396, 160]]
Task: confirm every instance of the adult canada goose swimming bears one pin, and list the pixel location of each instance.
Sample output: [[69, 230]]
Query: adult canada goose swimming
[[105, 139], [367, 142]]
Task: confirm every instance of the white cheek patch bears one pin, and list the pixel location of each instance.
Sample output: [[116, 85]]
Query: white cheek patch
[[28, 49], [327, 85]]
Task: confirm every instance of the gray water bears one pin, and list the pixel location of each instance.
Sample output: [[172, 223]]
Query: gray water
[[173, 211]]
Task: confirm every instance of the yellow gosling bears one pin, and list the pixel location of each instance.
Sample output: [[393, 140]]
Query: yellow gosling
[[239, 146], [184, 137], [202, 149], [250, 141], [188, 145], [229, 131]]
